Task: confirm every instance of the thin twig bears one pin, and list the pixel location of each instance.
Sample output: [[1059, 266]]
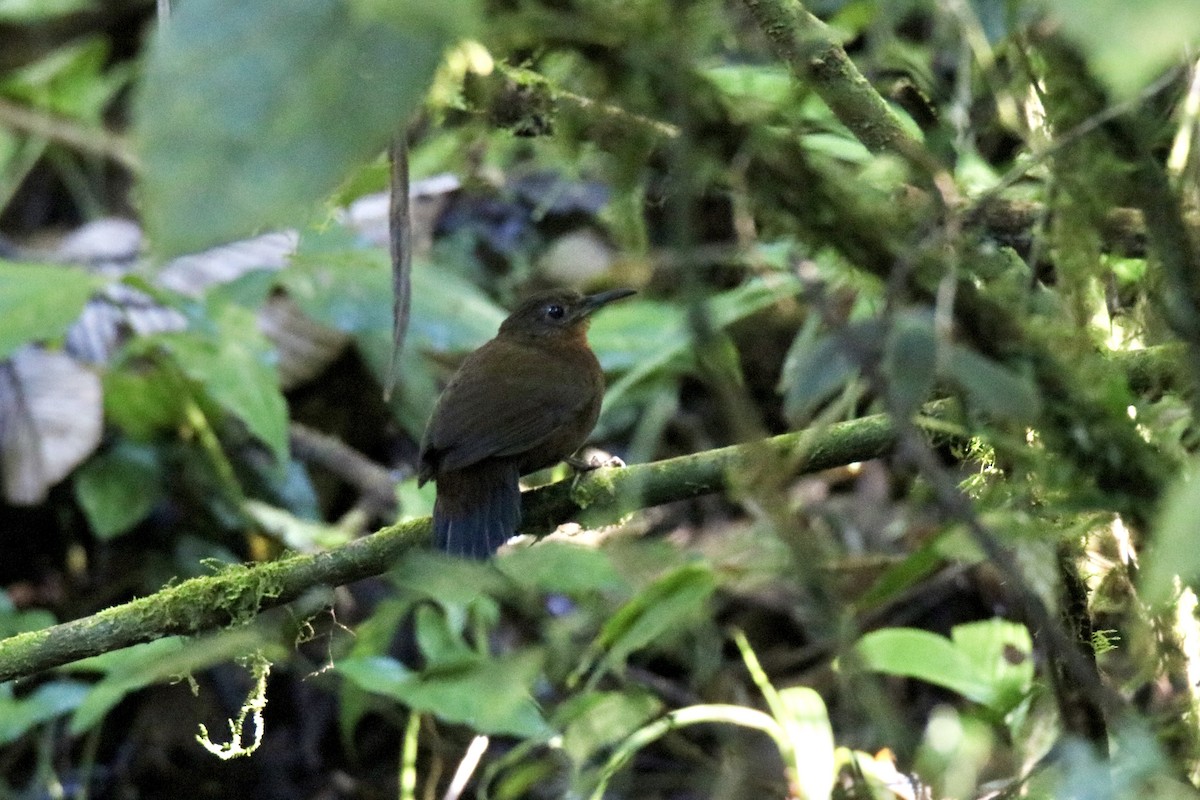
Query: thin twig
[[400, 239], [68, 132], [377, 484]]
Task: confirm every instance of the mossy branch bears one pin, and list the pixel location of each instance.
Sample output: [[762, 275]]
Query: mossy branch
[[236, 594], [528, 103], [812, 52]]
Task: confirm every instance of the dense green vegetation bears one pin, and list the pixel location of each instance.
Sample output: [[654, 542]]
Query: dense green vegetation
[[908, 398]]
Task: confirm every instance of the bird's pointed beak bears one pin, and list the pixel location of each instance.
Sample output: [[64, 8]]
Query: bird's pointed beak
[[594, 301]]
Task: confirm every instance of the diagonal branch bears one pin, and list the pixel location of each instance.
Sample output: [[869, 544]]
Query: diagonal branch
[[238, 593], [813, 54]]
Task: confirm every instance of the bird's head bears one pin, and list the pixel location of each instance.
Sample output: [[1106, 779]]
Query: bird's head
[[557, 311]]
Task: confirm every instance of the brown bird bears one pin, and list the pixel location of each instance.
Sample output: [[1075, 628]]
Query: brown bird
[[522, 402]]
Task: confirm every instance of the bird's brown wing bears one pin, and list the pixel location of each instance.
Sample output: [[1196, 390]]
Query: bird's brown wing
[[507, 399]]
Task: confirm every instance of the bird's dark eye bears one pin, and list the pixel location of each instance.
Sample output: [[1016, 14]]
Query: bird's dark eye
[[555, 311]]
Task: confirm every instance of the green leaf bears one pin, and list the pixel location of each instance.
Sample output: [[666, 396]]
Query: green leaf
[[633, 332], [811, 735], [13, 622], [669, 604], [1153, 34], [910, 361], [28, 10], [594, 721], [817, 366], [992, 387], [989, 662], [1172, 551], [39, 302], [338, 282], [462, 588], [560, 567], [440, 643], [755, 90], [1001, 653], [50, 700], [236, 368], [77, 80], [718, 361], [295, 532], [651, 340], [118, 488], [249, 114], [913, 653], [489, 695], [143, 399]]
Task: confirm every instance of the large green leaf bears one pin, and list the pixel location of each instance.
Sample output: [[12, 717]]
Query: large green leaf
[[50, 700], [993, 387], [594, 721], [924, 655], [1128, 43], [670, 604], [560, 567], [806, 721], [910, 361], [489, 695], [1173, 552], [13, 622], [118, 488], [235, 367], [818, 365], [250, 113], [989, 661], [142, 398], [341, 284], [39, 302]]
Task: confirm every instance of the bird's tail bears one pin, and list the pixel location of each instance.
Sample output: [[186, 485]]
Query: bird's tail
[[477, 509]]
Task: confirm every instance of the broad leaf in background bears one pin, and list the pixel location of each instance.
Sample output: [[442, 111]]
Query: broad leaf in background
[[910, 361], [1172, 552], [339, 282], [806, 722], [141, 397], [1152, 35], [235, 366], [648, 339], [119, 488], [347, 287], [993, 387], [989, 662], [50, 421], [491, 695], [50, 700], [239, 131], [559, 567], [819, 365], [23, 10], [464, 589], [39, 302], [450, 317], [595, 721], [669, 604], [74, 82], [13, 622]]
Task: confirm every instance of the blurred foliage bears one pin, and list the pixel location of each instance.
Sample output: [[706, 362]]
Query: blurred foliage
[[871, 630]]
